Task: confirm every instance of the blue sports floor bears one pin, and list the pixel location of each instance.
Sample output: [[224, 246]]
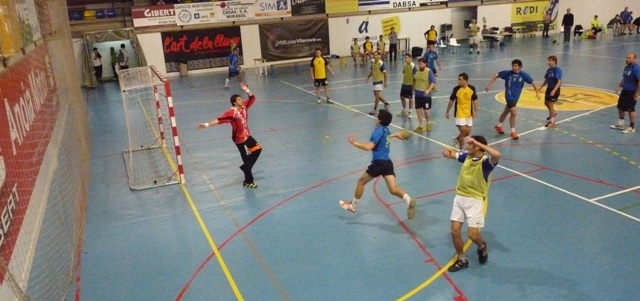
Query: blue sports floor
[[563, 216]]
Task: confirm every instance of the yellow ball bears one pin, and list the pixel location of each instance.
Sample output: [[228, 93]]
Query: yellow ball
[[405, 134]]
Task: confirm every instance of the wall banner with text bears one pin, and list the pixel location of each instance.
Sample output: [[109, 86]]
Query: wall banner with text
[[307, 7], [195, 13], [153, 15], [528, 12], [239, 10], [200, 49], [293, 40]]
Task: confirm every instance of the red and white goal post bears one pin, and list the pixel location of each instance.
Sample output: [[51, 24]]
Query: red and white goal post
[[150, 160]]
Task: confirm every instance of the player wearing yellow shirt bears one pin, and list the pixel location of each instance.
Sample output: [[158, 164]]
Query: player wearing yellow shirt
[[367, 47], [381, 45], [319, 67], [464, 101], [379, 75], [471, 193], [355, 52]]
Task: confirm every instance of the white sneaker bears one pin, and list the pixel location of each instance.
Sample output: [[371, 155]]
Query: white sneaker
[[409, 115], [329, 101], [402, 113], [617, 126], [629, 130], [319, 101], [347, 206]]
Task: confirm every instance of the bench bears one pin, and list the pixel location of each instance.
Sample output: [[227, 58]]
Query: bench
[[261, 64]]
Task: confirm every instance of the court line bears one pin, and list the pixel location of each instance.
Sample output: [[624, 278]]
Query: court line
[[440, 272], [212, 243], [614, 194]]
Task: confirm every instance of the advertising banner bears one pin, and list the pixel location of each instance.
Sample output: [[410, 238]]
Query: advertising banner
[[293, 40], [366, 5], [200, 49], [240, 10], [341, 6], [272, 9], [195, 13], [307, 7], [153, 15], [527, 12], [414, 3], [28, 19], [27, 116]]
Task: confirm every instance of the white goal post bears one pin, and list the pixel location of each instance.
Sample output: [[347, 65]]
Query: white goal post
[[151, 160]]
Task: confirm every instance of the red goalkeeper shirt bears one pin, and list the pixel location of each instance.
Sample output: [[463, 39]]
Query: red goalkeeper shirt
[[238, 119]]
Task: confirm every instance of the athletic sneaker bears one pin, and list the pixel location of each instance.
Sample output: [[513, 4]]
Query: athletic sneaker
[[250, 185], [227, 89], [386, 106], [374, 112], [617, 126], [411, 209], [319, 101], [329, 101], [498, 129], [554, 115], [478, 52], [459, 265], [456, 143], [347, 206], [514, 136], [550, 124], [483, 254], [629, 130], [429, 127], [419, 129], [402, 113], [409, 114]]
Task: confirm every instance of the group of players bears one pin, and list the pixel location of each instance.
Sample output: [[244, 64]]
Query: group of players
[[477, 157]]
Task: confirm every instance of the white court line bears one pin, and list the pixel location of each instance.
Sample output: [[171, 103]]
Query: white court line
[[571, 193], [561, 121], [614, 194], [500, 166]]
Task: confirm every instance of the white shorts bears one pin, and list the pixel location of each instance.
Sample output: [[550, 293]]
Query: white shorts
[[474, 40], [464, 121], [470, 209], [378, 87]]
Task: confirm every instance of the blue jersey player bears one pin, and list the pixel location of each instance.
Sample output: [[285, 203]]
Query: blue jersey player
[[234, 67]]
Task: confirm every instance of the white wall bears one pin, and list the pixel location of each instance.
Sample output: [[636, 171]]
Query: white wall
[[458, 16], [583, 11], [412, 25], [498, 15]]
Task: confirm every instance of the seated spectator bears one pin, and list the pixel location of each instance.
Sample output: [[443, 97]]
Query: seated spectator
[[616, 22], [595, 26], [485, 30], [630, 24]]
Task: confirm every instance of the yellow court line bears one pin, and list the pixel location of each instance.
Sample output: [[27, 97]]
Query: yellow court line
[[223, 265], [444, 268]]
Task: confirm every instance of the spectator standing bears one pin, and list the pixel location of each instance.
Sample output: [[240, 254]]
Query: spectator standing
[[546, 21], [567, 24], [630, 85], [393, 44], [473, 36], [97, 64], [431, 36], [123, 57]]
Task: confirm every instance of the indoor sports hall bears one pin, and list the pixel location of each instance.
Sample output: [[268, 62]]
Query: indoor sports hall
[[562, 217]]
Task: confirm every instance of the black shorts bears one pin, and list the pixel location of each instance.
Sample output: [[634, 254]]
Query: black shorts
[[626, 101], [320, 82], [549, 97], [434, 70], [511, 103], [406, 91], [423, 102], [380, 168], [429, 42], [233, 74]]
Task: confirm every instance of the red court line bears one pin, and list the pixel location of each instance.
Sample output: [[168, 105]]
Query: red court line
[[262, 214]]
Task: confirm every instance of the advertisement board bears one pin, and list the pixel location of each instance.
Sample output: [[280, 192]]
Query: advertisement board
[[200, 49]]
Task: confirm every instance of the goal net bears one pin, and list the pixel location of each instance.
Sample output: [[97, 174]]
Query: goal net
[[153, 157]]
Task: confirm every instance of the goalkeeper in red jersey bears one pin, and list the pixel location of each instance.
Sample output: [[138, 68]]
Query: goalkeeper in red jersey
[[248, 147]]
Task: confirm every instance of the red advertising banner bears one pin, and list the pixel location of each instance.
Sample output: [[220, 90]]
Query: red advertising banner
[[200, 49], [27, 116], [154, 15]]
